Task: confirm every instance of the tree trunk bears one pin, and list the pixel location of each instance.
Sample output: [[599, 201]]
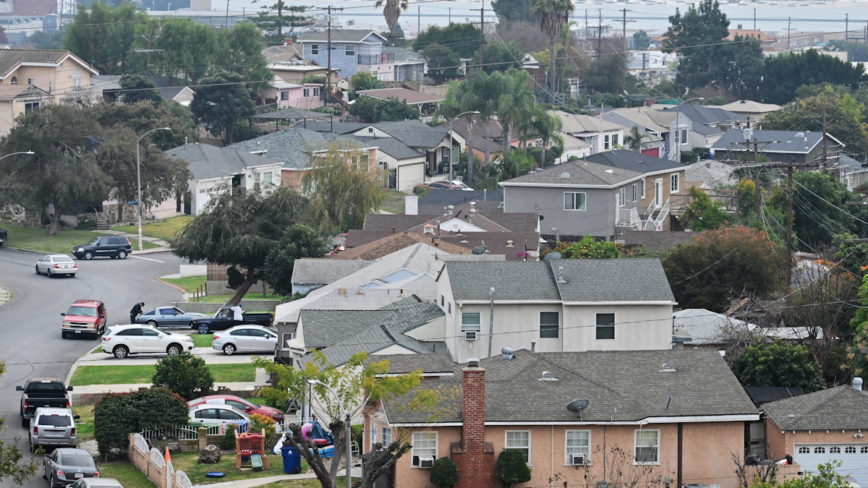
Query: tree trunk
[[487, 143], [310, 454], [242, 290], [468, 178], [507, 147], [339, 428], [553, 70], [54, 222], [542, 155]]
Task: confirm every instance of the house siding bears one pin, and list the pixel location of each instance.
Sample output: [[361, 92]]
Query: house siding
[[597, 220], [780, 443]]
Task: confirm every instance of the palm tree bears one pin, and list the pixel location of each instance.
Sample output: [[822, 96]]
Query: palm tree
[[463, 97], [494, 87], [553, 15], [548, 128], [515, 106], [392, 11], [634, 140]]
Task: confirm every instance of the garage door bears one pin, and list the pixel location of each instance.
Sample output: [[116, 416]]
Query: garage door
[[854, 459]]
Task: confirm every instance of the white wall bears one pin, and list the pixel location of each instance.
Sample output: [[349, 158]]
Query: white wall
[[188, 270]]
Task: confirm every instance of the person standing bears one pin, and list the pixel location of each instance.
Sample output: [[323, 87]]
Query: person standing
[[238, 312], [136, 311]]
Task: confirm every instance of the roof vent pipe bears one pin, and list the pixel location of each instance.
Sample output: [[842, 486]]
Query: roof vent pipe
[[473, 363], [506, 353], [532, 346], [857, 384]]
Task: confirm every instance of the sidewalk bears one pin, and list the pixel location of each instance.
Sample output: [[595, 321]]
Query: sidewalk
[[250, 483], [209, 355]]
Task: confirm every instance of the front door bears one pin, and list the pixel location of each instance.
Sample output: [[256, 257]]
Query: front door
[[658, 192]]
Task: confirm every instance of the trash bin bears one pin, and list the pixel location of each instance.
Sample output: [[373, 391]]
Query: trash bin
[[291, 460]]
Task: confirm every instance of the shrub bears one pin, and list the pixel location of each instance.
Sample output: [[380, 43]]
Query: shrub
[[444, 472], [117, 416], [87, 224], [227, 443], [184, 374], [511, 468], [590, 248]]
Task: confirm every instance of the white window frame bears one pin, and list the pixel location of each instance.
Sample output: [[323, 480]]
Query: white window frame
[[622, 197], [557, 330], [635, 192], [31, 81], [305, 92], [673, 183], [683, 140], [284, 95], [528, 447], [471, 327], [635, 446], [316, 91], [614, 325], [567, 447], [573, 199], [614, 140], [350, 50], [642, 193], [314, 49], [413, 449], [606, 142], [383, 438]]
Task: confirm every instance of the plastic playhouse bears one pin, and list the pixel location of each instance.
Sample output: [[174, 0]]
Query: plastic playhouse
[[250, 451]]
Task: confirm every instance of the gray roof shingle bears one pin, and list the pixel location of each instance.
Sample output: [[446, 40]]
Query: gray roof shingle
[[840, 407], [209, 162], [577, 173], [323, 328], [633, 161], [441, 198], [312, 271], [512, 280], [291, 146], [389, 145], [788, 142]]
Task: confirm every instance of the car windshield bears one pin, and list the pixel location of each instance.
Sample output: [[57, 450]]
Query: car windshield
[[78, 460], [62, 259], [82, 311], [92, 242], [55, 420]]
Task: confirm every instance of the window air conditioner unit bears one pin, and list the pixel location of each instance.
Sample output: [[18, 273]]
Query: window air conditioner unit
[[577, 459], [471, 335], [426, 462]]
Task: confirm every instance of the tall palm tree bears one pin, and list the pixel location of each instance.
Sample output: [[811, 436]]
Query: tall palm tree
[[463, 97], [548, 128], [553, 15], [392, 11], [515, 106], [494, 87], [634, 140]]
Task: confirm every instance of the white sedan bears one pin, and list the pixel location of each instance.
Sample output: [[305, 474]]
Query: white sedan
[[56, 264], [219, 414], [244, 338], [123, 340]]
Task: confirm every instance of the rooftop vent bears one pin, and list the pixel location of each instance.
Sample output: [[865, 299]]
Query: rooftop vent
[[509, 243], [610, 171], [561, 275], [473, 363], [547, 376], [342, 291], [667, 368], [564, 175], [506, 353], [857, 384], [800, 134]]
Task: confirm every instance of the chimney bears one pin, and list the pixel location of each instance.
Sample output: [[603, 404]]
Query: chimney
[[411, 205], [287, 41], [475, 460], [857, 384]]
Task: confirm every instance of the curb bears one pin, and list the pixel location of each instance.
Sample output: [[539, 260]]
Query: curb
[[30, 251], [72, 371], [136, 252], [183, 291]]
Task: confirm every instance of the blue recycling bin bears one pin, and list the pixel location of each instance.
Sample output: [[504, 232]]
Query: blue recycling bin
[[291, 460]]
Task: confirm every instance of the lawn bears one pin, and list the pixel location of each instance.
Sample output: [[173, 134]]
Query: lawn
[[189, 284], [249, 296], [203, 340], [98, 349], [164, 230], [186, 462], [39, 240], [300, 484], [123, 375], [394, 202], [84, 425], [128, 475]]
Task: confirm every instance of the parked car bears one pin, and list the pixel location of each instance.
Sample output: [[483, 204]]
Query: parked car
[[245, 338], [84, 317], [97, 483], [52, 427], [41, 393], [105, 246], [168, 317], [449, 185], [63, 467], [4, 235], [223, 320], [123, 340], [217, 414], [56, 264], [240, 404]]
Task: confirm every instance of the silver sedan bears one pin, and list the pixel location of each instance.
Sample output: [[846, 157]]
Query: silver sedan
[[56, 264], [245, 338]]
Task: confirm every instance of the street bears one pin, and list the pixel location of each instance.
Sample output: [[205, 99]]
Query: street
[[30, 341]]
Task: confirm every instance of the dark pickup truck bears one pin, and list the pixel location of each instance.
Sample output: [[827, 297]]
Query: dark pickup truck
[[3, 236], [223, 320], [42, 392]]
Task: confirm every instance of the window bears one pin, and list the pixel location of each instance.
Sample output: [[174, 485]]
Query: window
[[605, 326], [240, 332], [284, 95], [574, 201], [76, 83], [316, 91], [424, 446], [470, 323], [150, 333], [210, 413], [647, 446], [374, 73], [130, 332], [306, 93], [449, 307], [834, 450], [578, 442], [387, 436], [229, 415], [643, 189], [519, 440], [804, 450], [864, 450], [442, 301], [255, 180], [549, 323], [673, 183], [314, 48], [819, 450], [350, 50], [288, 336], [14, 80], [683, 136], [606, 141], [614, 140], [622, 197], [31, 81], [258, 333], [268, 178]]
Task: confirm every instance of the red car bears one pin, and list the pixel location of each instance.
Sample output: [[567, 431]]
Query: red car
[[87, 317], [241, 404]]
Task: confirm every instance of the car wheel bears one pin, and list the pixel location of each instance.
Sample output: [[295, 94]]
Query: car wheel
[[121, 352], [122, 254], [152, 323], [229, 349], [173, 350], [204, 329], [48, 273], [52, 482], [25, 422], [63, 334], [37, 269], [88, 255]]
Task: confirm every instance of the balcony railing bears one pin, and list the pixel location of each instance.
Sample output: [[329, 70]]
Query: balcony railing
[[727, 198], [369, 59]]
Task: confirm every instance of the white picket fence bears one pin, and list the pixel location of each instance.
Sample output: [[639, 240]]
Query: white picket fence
[[174, 433], [157, 457], [182, 480]]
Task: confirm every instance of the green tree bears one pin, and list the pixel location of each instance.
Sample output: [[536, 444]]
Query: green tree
[[220, 101], [240, 230], [117, 416], [641, 40], [493, 88], [500, 56], [783, 75], [286, 16], [511, 468], [778, 364], [633, 139], [509, 11], [720, 263], [188, 50], [240, 51], [443, 62], [137, 88], [463, 38], [590, 248], [364, 80], [142, 117], [371, 110], [342, 187], [298, 241], [517, 105], [14, 467], [553, 16], [514, 163], [702, 213], [742, 68], [392, 11], [548, 128], [826, 477], [46, 40], [856, 51], [444, 472], [184, 374], [103, 35]]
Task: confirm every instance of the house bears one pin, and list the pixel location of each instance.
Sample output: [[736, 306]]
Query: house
[[574, 148], [217, 169], [675, 416], [708, 124], [707, 329], [296, 95], [753, 111], [766, 41], [602, 195], [851, 172], [309, 274], [652, 124], [562, 305], [360, 247], [761, 395], [781, 146], [108, 85], [406, 65], [16, 100], [442, 198], [492, 131], [599, 134], [426, 103], [821, 427], [288, 52], [296, 71], [707, 175], [180, 94], [350, 49]]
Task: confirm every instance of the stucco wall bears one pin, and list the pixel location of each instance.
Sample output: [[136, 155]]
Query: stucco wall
[[779, 444]]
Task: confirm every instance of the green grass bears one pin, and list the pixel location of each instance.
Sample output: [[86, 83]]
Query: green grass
[[249, 296], [203, 340], [394, 202], [98, 349], [189, 284], [128, 475], [186, 462], [124, 375], [39, 240], [84, 425], [301, 483], [164, 230]]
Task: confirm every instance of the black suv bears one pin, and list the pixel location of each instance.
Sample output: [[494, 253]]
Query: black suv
[[114, 247]]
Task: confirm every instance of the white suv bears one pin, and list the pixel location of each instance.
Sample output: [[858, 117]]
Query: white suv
[[52, 427], [123, 340]]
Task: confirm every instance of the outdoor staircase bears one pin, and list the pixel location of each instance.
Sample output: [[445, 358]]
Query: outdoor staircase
[[102, 223], [656, 217]]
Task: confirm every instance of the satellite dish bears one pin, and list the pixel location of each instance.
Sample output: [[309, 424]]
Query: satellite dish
[[478, 250], [552, 256], [577, 406]]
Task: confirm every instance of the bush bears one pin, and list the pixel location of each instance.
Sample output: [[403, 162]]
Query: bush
[[86, 224], [511, 468], [227, 443], [117, 416], [258, 423], [184, 374], [444, 472]]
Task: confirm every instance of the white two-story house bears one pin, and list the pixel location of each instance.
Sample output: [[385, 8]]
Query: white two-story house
[[600, 134]]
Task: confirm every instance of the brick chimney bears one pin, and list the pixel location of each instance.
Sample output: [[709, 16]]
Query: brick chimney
[[287, 41], [474, 456]]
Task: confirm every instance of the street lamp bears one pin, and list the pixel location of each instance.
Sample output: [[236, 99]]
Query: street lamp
[[678, 127], [450, 140], [139, 179], [349, 432], [13, 154]]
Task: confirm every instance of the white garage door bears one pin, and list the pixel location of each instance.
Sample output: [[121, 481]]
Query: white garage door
[[854, 459]]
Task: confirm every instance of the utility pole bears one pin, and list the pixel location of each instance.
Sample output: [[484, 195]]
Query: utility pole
[[847, 27], [599, 33], [624, 28], [149, 38], [418, 20], [450, 15], [754, 18], [789, 22], [482, 33], [643, 61], [758, 165], [586, 24], [824, 137], [226, 24], [329, 46], [789, 226]]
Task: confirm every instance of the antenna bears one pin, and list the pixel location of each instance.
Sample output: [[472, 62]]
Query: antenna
[[577, 406]]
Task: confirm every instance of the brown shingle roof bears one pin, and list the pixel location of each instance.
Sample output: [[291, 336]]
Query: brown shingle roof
[[387, 245], [11, 58]]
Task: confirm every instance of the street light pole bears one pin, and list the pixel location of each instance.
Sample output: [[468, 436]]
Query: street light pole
[[349, 430], [450, 140], [13, 154], [678, 128], [139, 179]]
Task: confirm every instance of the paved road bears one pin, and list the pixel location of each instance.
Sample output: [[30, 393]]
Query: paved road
[[30, 342]]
